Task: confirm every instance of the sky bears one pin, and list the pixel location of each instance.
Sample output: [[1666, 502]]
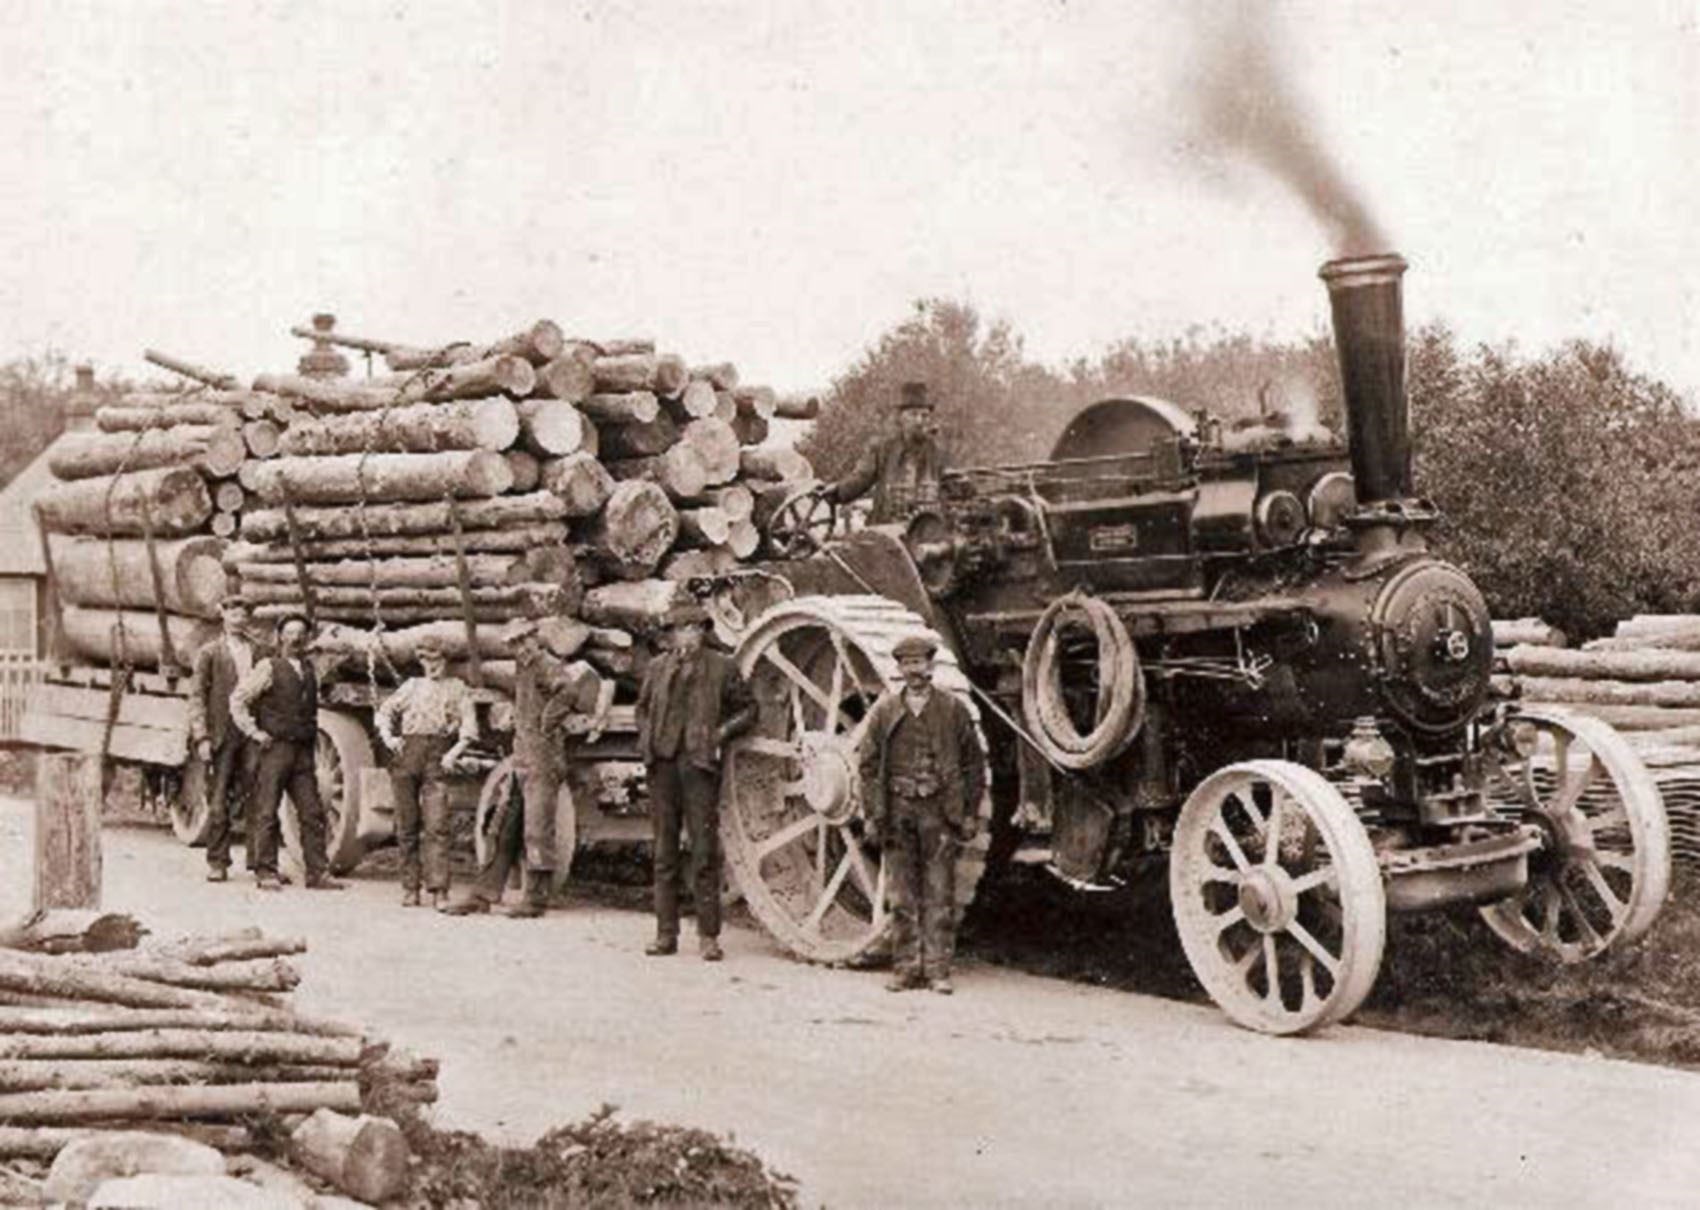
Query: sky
[[776, 183]]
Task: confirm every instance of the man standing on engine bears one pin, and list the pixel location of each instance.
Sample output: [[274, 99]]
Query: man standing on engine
[[427, 723], [692, 703], [277, 706], [225, 753], [903, 470], [923, 775]]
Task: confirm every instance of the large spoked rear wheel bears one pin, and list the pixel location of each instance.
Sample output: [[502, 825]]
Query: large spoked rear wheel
[[1603, 872], [342, 751], [191, 809], [497, 785], [1277, 896], [791, 820]]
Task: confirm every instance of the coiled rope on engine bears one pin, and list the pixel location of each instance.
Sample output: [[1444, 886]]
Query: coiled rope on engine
[[1119, 710]]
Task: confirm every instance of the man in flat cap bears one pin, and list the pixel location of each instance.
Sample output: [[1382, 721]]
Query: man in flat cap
[[692, 703], [277, 706], [225, 753], [547, 714], [903, 470], [923, 775], [426, 724]]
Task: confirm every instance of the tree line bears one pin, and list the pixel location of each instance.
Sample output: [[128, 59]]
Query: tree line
[[1569, 482]]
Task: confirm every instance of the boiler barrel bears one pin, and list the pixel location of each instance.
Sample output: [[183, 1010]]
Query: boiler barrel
[[1369, 333]]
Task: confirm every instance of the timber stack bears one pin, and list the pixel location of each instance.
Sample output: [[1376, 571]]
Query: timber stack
[[579, 481], [1644, 679], [196, 1038]]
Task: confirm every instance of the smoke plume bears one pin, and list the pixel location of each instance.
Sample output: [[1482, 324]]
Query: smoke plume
[[1247, 106]]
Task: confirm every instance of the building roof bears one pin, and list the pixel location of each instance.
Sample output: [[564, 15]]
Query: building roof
[[20, 544]]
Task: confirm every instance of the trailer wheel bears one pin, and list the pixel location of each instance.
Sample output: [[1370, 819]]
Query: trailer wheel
[[1277, 897], [1602, 875], [343, 750], [496, 788], [791, 818]]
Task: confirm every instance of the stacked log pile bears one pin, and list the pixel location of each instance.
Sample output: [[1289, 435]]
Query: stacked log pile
[[194, 1037], [1644, 680], [535, 476]]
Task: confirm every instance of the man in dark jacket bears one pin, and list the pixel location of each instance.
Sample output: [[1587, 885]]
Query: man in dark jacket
[[923, 775], [550, 711], [224, 752], [277, 706], [691, 704], [903, 470]]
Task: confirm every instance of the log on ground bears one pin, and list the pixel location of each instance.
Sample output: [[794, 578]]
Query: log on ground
[[394, 520], [385, 478], [1642, 665], [72, 930], [166, 501], [39, 976], [45, 1142], [1681, 694], [228, 1045], [218, 1101], [366, 1157], [119, 573], [33, 1075], [107, 1019]]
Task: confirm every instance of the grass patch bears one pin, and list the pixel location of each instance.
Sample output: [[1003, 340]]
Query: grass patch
[[1444, 974]]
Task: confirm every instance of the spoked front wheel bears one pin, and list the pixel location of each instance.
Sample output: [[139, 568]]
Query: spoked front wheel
[[1277, 897], [1604, 868]]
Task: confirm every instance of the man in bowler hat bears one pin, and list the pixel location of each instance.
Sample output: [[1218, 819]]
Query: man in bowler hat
[[903, 470]]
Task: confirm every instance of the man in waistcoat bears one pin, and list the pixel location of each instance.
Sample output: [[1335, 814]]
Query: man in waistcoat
[[902, 470], [692, 703], [277, 706], [923, 775], [226, 754]]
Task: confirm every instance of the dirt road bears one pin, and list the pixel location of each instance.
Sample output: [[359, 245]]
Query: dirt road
[[1018, 1091]]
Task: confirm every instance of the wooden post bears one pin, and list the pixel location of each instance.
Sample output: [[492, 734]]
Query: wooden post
[[67, 831]]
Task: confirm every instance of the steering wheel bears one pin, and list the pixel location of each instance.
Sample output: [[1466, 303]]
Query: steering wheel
[[802, 523]]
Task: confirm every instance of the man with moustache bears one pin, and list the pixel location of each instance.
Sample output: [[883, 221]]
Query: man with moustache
[[221, 747], [923, 775], [903, 470]]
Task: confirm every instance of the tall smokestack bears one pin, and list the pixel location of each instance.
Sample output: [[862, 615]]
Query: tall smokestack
[[1369, 332]]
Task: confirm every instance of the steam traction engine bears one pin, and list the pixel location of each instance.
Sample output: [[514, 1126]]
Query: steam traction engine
[[1236, 650]]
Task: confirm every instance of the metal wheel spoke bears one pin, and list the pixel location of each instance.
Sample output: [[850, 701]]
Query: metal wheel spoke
[[1227, 919], [1321, 876], [1550, 909], [1571, 790], [1235, 853], [802, 681], [1590, 935], [859, 862], [1242, 965], [1271, 970], [1615, 861], [1608, 897], [1307, 978], [1612, 817], [820, 851], [1303, 936], [772, 843], [765, 745], [828, 896], [1272, 831]]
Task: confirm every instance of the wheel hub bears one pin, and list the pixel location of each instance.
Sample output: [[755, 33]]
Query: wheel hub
[[829, 775], [1568, 836], [1267, 899]]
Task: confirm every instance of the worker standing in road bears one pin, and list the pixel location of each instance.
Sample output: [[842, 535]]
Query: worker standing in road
[[545, 719], [903, 470], [923, 775], [428, 723], [692, 703], [225, 753], [277, 706]]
